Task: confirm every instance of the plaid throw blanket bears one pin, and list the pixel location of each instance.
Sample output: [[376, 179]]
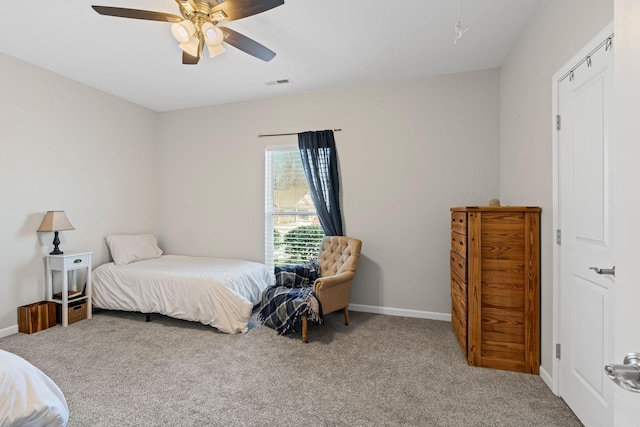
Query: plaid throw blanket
[[283, 304]]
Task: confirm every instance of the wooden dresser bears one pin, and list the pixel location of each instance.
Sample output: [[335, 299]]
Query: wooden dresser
[[495, 286]]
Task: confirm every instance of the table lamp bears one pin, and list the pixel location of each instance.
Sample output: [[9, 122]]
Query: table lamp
[[55, 221]]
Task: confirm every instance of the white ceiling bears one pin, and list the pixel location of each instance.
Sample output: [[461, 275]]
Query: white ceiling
[[319, 45]]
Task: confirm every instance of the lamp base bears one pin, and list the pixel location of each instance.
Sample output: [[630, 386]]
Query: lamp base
[[56, 242]]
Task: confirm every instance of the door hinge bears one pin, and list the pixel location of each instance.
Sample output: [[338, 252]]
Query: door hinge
[[558, 237], [558, 122], [557, 351]]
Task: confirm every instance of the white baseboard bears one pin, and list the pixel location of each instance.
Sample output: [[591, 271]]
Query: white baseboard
[[400, 312], [8, 331], [548, 379]]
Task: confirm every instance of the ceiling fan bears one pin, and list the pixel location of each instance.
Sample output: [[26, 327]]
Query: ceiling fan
[[198, 25]]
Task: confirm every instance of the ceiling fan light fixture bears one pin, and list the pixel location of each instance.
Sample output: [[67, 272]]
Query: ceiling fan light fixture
[[191, 47], [215, 50], [183, 31], [200, 16], [212, 35]]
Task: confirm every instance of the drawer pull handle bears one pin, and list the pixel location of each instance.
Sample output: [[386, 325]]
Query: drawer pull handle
[[77, 261]]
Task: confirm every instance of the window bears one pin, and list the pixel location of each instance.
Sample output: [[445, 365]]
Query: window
[[292, 230]]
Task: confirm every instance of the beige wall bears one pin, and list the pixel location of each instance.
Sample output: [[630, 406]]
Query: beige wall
[[408, 151], [557, 31], [65, 146]]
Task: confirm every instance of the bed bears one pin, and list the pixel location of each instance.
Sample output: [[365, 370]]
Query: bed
[[219, 292], [28, 397]]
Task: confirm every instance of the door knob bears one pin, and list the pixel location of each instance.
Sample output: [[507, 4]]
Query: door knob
[[611, 271], [626, 375]]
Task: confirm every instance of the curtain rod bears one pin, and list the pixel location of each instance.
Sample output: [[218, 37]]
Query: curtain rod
[[606, 43], [260, 135]]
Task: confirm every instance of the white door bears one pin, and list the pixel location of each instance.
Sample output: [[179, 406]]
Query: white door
[[585, 217], [627, 131]]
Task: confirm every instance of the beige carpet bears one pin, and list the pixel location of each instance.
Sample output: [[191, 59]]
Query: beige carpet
[[117, 370]]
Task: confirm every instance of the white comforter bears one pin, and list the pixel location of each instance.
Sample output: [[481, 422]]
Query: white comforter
[[214, 291], [27, 396]]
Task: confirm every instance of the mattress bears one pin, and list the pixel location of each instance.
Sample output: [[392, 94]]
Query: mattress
[[219, 292]]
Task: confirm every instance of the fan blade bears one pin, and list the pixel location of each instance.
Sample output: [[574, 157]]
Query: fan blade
[[247, 45], [236, 9], [147, 15], [188, 59]]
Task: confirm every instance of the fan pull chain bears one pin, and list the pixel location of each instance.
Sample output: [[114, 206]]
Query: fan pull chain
[[458, 28]]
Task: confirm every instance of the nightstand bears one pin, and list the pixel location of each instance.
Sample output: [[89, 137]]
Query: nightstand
[[69, 264]]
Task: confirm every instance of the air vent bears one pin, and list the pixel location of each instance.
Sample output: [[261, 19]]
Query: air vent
[[278, 82]]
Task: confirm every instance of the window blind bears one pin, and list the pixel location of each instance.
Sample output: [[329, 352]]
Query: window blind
[[292, 230]]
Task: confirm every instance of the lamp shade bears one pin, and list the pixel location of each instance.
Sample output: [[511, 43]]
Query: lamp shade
[[183, 31], [55, 221], [192, 47], [216, 50], [212, 35]]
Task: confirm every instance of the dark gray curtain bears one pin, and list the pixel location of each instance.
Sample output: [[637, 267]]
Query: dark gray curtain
[[320, 163]]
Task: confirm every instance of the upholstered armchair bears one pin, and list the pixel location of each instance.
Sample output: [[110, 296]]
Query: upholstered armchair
[[338, 260], [298, 289]]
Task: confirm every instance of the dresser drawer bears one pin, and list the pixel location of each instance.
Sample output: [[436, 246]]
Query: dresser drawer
[[459, 244], [458, 298], [459, 222], [459, 266], [459, 311]]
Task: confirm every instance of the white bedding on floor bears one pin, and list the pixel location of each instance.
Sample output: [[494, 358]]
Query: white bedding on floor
[[218, 292], [28, 397]]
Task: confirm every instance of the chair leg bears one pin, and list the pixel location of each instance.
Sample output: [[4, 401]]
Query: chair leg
[[346, 315], [304, 328]]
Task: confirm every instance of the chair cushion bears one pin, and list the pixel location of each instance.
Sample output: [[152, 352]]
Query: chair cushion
[[338, 254]]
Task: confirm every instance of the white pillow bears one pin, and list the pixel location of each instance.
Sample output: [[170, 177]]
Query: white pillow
[[135, 247]]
